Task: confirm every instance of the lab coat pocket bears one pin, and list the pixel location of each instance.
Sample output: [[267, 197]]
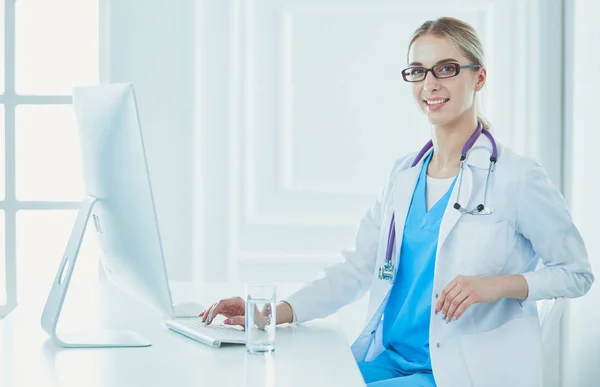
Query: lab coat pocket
[[486, 246]]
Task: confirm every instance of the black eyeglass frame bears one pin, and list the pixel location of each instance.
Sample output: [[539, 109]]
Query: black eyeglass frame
[[456, 65]]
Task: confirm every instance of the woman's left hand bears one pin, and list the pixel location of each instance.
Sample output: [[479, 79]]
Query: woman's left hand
[[465, 291]]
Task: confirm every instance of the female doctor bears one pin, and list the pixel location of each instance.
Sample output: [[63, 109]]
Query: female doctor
[[450, 249]]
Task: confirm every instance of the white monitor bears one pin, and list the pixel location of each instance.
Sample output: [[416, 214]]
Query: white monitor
[[119, 201]]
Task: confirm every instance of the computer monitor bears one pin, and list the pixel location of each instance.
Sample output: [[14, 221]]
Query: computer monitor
[[119, 200]]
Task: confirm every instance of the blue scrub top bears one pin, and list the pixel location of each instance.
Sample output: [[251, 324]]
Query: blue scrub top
[[407, 313]]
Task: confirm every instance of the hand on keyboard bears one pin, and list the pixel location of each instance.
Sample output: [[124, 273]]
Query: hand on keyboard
[[234, 309]]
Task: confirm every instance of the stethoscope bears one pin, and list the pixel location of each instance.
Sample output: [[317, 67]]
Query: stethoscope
[[387, 270]]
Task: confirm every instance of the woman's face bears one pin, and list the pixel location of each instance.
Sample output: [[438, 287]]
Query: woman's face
[[443, 100]]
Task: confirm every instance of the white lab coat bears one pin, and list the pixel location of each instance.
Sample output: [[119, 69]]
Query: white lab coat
[[492, 344]]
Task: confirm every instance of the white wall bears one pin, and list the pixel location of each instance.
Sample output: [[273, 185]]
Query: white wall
[[151, 44], [582, 330]]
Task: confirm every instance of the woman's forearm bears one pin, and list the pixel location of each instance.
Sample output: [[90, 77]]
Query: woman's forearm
[[284, 313], [512, 286]]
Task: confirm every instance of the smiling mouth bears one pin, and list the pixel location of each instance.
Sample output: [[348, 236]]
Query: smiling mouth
[[436, 102]]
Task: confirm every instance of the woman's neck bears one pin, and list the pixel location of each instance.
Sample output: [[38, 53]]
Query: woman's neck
[[448, 142]]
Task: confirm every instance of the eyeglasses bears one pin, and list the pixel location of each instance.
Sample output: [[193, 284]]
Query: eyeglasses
[[441, 71]]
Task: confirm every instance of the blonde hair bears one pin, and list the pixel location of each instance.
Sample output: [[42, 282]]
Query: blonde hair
[[463, 36]]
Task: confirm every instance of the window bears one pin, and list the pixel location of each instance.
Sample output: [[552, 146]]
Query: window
[[48, 47]]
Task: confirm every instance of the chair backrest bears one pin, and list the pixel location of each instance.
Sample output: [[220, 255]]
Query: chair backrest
[[550, 312]]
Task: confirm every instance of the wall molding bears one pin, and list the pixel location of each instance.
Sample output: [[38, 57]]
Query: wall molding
[[248, 200]]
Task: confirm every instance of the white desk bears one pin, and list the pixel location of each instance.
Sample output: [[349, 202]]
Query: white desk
[[312, 354]]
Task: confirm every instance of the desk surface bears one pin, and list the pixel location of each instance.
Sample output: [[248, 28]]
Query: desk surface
[[312, 354]]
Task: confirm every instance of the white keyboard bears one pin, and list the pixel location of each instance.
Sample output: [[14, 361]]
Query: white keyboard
[[213, 335]]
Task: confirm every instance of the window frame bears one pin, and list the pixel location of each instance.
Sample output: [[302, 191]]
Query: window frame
[[11, 205]]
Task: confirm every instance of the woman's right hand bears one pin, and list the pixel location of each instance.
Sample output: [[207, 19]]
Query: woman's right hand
[[234, 309]]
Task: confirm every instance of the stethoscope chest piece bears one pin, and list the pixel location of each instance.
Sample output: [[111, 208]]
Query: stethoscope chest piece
[[386, 272]]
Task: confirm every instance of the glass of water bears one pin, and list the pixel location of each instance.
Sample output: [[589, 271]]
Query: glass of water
[[260, 318]]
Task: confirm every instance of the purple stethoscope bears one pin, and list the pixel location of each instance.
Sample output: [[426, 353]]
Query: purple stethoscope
[[387, 270]]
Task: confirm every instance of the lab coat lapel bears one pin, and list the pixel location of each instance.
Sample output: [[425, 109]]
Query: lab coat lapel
[[404, 187], [452, 215], [404, 183], [478, 157]]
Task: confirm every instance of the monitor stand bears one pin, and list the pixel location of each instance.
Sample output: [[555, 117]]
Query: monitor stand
[[54, 303]]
